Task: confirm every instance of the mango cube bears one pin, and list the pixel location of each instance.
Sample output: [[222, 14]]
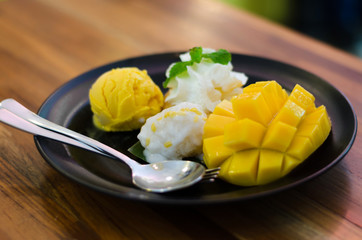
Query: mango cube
[[224, 108], [270, 166], [215, 125], [253, 106], [241, 168], [319, 117], [243, 134], [265, 135], [279, 136], [291, 113], [303, 98], [272, 91], [313, 132], [301, 148], [214, 151]]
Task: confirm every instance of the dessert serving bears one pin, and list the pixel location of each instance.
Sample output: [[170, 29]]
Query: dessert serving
[[255, 134]]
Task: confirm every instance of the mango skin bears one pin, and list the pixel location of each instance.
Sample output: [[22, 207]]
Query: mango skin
[[267, 135]]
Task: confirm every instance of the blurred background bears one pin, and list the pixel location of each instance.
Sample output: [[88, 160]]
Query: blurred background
[[336, 22]]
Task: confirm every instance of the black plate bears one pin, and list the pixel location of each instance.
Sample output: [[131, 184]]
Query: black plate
[[69, 106]]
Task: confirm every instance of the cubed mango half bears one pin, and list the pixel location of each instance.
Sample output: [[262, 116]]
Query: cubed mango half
[[262, 134]]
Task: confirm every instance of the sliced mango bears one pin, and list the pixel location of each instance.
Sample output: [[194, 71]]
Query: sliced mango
[[253, 106], [320, 118], [303, 98], [215, 152], [243, 134], [241, 168], [262, 134], [215, 125], [270, 90], [301, 147], [270, 166], [224, 108], [291, 113], [279, 136]]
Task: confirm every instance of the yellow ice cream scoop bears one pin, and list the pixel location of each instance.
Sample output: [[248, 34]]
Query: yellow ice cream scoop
[[123, 98]]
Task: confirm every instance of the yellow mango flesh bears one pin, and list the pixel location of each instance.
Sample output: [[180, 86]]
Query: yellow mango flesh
[[215, 152], [224, 108], [216, 124], [278, 136], [267, 134], [252, 106], [241, 168], [272, 91], [243, 134]]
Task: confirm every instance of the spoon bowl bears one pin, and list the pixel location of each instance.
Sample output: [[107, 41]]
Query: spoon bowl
[[167, 175], [155, 177]]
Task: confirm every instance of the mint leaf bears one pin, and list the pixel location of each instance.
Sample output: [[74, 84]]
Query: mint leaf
[[221, 56], [196, 54], [177, 69]]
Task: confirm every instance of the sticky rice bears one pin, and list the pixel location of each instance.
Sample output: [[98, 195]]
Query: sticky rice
[[174, 133]]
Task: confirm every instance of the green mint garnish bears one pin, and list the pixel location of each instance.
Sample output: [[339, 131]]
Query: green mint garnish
[[177, 69], [196, 54], [221, 56]]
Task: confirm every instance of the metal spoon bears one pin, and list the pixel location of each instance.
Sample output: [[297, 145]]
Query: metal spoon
[[156, 177]]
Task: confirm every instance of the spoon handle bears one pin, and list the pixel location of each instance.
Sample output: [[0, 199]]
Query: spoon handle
[[18, 116]]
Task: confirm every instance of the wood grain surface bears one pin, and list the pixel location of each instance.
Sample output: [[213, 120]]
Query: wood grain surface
[[45, 43]]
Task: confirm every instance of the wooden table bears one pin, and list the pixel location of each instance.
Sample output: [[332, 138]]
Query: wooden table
[[45, 43]]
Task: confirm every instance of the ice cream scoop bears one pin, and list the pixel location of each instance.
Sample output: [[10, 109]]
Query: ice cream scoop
[[123, 98]]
